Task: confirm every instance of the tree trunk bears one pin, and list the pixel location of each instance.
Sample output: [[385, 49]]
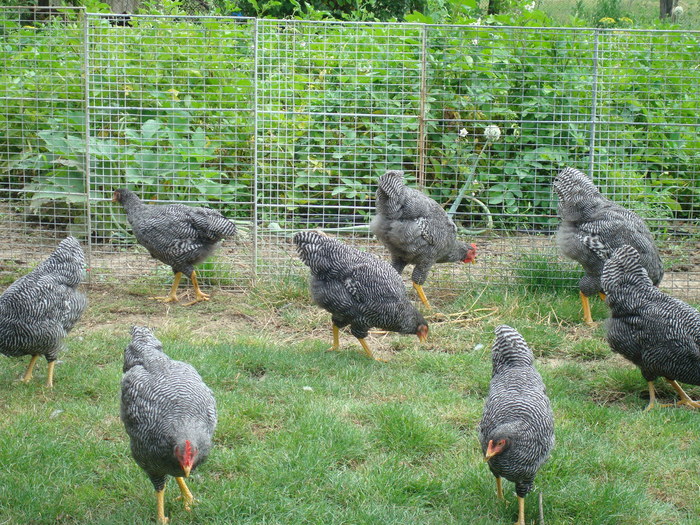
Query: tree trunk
[[665, 8], [495, 7]]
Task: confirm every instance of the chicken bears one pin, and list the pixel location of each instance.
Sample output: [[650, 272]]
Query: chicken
[[358, 289], [416, 230], [38, 310], [168, 412], [658, 333], [177, 235], [517, 429], [592, 226]]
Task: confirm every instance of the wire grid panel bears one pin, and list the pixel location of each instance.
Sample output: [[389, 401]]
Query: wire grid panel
[[337, 105], [170, 117], [287, 125], [647, 140], [506, 101], [41, 92]]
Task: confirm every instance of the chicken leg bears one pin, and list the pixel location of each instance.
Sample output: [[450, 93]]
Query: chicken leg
[[521, 511], [369, 353], [198, 293], [187, 497], [336, 339], [685, 400], [421, 294], [160, 506], [28, 374], [172, 296], [49, 379], [499, 488], [586, 310]]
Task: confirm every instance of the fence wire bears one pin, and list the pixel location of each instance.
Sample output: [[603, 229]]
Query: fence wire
[[286, 125]]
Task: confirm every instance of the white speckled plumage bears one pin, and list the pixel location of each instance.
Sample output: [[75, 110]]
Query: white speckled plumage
[[415, 229], [178, 235], [517, 409], [658, 333], [164, 403], [356, 287], [593, 226], [39, 309]]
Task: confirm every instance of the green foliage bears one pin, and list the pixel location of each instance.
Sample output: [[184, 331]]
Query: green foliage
[[170, 114]]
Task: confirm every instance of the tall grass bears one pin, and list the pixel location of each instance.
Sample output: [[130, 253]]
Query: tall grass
[[317, 437]]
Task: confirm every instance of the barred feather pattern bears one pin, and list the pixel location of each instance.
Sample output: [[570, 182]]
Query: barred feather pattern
[[518, 410], [164, 403], [592, 227], [658, 333], [178, 235], [414, 228], [39, 309], [357, 288]]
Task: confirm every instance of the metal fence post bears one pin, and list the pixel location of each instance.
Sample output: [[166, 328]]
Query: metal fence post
[[255, 210], [86, 88], [594, 104]]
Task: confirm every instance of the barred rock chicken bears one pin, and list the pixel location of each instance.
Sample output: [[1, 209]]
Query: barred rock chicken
[[358, 289], [416, 230], [592, 227], [39, 309], [168, 412], [658, 333], [517, 429], [177, 235]]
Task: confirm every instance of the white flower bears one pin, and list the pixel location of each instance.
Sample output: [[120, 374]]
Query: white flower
[[677, 11], [530, 7], [463, 132], [492, 132], [475, 42]]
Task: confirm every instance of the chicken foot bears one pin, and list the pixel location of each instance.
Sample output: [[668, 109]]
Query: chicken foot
[[172, 296], [198, 293], [336, 339], [685, 400], [28, 374], [367, 350], [586, 310]]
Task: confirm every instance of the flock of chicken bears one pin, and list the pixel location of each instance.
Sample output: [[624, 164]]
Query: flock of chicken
[[170, 414]]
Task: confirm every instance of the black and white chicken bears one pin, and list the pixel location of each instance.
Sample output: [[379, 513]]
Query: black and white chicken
[[39, 309]]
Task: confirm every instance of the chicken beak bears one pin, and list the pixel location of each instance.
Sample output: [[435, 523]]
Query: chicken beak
[[491, 451], [187, 470]]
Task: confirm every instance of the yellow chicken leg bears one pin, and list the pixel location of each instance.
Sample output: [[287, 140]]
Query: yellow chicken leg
[[652, 397], [49, 379], [369, 353], [521, 511], [421, 295], [160, 506], [499, 488], [199, 295], [685, 400], [187, 497], [28, 374], [586, 310], [172, 296], [336, 339]]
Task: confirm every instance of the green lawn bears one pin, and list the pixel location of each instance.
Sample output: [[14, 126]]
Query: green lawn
[[309, 436], [643, 13]]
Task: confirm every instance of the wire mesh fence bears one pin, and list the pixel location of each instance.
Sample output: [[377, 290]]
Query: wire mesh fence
[[285, 125]]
